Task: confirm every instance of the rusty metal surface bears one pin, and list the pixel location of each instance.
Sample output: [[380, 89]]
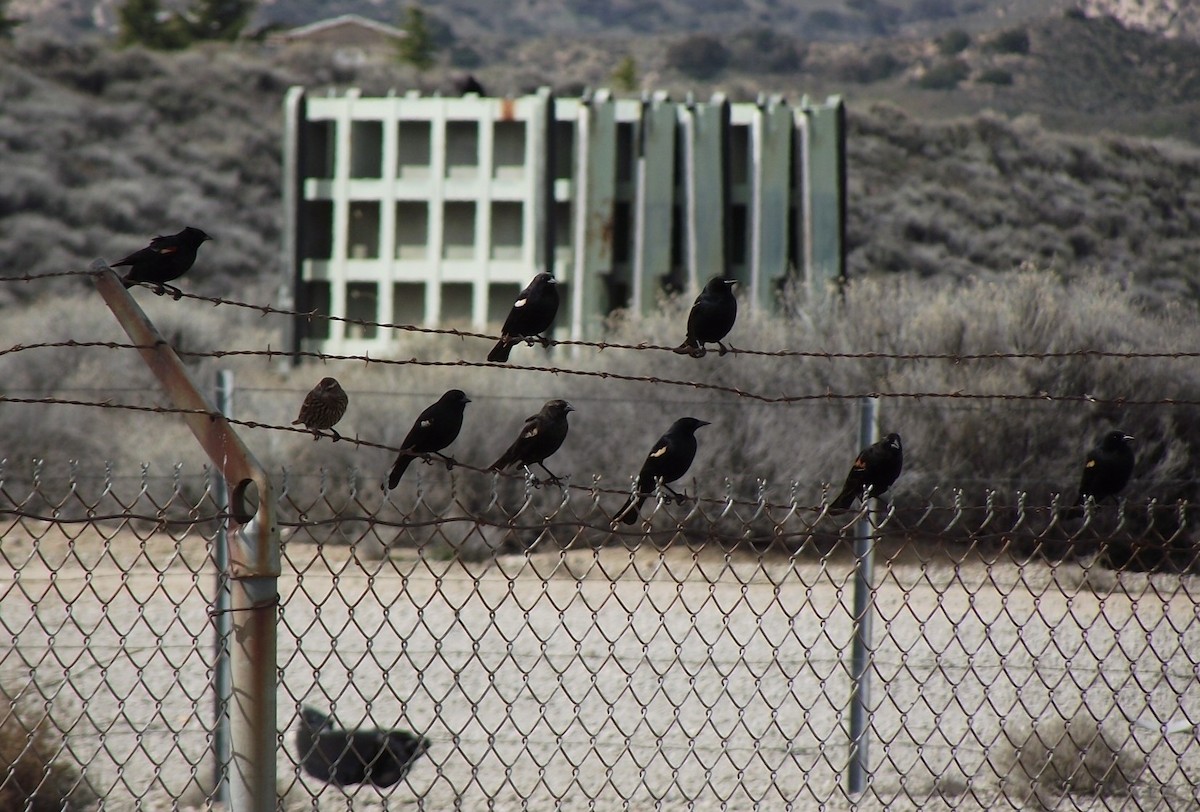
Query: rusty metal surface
[[254, 559], [255, 551]]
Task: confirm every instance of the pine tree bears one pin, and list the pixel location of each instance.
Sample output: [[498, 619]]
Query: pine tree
[[219, 19], [143, 22], [7, 24], [417, 48], [624, 76]]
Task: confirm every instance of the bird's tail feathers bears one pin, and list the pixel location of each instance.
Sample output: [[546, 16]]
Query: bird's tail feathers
[[499, 353], [629, 513], [844, 501], [398, 469]]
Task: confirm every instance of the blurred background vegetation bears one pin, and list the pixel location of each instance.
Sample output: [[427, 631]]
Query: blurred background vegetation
[[1018, 180]]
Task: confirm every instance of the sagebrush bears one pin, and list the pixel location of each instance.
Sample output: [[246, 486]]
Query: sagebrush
[[1033, 445]]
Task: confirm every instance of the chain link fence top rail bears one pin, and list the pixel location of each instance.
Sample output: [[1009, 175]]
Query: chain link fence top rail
[[698, 661]]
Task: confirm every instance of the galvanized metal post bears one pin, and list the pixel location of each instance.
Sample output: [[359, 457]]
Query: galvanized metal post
[[595, 190], [254, 556], [860, 658], [824, 202], [654, 202], [541, 163], [292, 189], [771, 155], [705, 127], [222, 620]]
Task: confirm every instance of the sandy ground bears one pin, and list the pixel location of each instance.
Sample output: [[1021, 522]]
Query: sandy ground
[[612, 679]]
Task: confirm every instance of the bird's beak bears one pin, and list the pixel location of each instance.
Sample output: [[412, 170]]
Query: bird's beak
[[570, 408], [731, 282], [466, 399], [704, 423], [1129, 437], [552, 281]]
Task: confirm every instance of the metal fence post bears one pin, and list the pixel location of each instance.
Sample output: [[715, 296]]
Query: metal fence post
[[254, 557], [222, 620], [864, 558]]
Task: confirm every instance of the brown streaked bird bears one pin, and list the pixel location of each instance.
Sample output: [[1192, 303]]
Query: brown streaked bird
[[164, 260], [542, 435], [323, 407], [877, 467]]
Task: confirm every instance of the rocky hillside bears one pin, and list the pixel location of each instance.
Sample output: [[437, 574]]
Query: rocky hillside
[[105, 148], [816, 20], [1171, 18]]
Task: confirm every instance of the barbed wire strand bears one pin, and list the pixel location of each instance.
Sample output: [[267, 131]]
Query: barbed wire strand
[[955, 358], [1042, 397], [356, 442], [531, 482]]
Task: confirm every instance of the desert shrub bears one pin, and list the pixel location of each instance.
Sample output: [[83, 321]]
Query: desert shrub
[[699, 56], [93, 435], [100, 123], [1033, 446], [944, 75], [464, 56], [1011, 41], [932, 10], [763, 50], [996, 76], [36, 774], [1054, 757], [1008, 446], [876, 17], [873, 67], [1014, 177], [825, 19], [953, 42]]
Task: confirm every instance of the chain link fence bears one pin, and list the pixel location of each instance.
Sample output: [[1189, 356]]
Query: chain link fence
[[698, 661]]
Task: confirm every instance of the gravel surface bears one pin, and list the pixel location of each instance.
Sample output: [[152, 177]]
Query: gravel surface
[[613, 679]]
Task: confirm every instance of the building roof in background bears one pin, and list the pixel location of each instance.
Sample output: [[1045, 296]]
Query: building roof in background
[[348, 23]]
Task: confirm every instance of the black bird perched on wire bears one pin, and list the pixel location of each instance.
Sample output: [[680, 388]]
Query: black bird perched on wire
[[711, 318], [164, 260], [363, 756], [670, 459], [437, 427], [877, 467], [542, 435], [469, 84], [323, 407], [1106, 471], [532, 314]]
